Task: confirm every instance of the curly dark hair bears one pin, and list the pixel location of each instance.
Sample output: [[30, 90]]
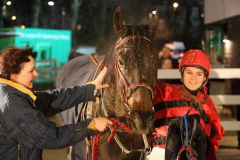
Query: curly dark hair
[[12, 59]]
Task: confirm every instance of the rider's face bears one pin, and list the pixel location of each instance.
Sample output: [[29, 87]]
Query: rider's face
[[193, 78]]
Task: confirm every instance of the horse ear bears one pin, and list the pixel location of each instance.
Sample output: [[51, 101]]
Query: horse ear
[[118, 23]]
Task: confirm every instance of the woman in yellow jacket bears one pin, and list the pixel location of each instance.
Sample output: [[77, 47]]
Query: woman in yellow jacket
[[24, 127]]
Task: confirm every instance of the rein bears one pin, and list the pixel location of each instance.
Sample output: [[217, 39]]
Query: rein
[[187, 145]]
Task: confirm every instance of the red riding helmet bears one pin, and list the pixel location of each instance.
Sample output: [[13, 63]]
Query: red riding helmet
[[196, 58]]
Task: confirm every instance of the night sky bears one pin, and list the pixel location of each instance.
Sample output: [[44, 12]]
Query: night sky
[[93, 18]]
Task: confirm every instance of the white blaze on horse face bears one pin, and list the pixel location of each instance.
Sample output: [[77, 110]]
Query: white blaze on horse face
[[193, 78]]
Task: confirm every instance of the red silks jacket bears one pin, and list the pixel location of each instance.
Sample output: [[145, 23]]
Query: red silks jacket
[[169, 102]]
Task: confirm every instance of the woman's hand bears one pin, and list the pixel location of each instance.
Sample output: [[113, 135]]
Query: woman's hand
[[98, 81], [102, 123]]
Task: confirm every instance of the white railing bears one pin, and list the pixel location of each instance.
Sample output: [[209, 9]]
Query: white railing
[[218, 73]]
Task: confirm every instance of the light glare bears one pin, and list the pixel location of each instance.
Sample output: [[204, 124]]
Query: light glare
[[22, 26], [50, 3], [14, 18], [175, 5], [154, 12], [9, 3]]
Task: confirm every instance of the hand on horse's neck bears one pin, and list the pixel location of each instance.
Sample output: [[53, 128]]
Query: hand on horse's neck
[[194, 99]]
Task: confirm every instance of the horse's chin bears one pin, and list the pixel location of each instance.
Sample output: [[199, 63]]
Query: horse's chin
[[142, 129], [141, 123]]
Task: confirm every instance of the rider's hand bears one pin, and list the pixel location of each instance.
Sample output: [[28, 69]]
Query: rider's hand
[[102, 123], [98, 81]]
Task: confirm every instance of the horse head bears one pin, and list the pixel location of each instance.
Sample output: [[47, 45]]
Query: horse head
[[133, 74]]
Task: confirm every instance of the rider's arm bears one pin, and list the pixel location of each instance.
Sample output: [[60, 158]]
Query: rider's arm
[[217, 129]]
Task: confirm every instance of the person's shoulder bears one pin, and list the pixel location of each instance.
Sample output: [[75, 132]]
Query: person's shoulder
[[8, 96], [15, 102], [209, 99], [173, 85], [13, 107]]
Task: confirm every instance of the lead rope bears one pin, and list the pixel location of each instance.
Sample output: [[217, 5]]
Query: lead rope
[[103, 107], [96, 139], [119, 143]]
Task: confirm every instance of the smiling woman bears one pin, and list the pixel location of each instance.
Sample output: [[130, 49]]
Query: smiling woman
[[173, 102], [193, 78], [19, 67], [24, 127]]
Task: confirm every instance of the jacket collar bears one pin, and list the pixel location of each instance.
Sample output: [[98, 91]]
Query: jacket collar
[[198, 99], [19, 87]]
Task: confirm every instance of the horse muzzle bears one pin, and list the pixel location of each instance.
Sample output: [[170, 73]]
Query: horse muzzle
[[141, 121]]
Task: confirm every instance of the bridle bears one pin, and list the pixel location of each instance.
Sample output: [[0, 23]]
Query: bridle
[[125, 88], [144, 151], [124, 93]]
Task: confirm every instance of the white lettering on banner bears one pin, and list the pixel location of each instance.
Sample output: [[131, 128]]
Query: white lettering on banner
[[44, 36]]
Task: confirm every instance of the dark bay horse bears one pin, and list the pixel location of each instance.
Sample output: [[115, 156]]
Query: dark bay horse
[[132, 72]]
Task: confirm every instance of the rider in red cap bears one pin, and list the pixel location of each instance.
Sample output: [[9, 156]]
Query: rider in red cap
[[173, 101]]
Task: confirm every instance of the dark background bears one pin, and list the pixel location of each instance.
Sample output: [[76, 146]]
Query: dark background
[[91, 20]]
